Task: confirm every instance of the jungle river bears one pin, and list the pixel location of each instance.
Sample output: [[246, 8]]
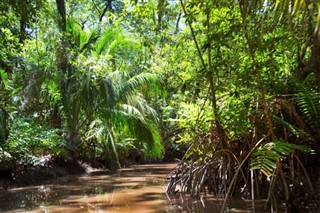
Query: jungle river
[[138, 189]]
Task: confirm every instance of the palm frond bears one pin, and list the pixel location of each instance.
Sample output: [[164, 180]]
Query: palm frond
[[156, 149], [96, 130], [141, 126], [309, 104], [142, 106], [112, 148], [51, 89], [114, 44], [266, 157], [148, 135], [131, 111], [99, 130], [126, 47], [108, 37], [107, 92], [85, 37], [298, 133], [80, 36], [136, 82]]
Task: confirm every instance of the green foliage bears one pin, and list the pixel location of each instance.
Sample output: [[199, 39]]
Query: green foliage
[[5, 157], [51, 90], [309, 104], [110, 95], [4, 79], [270, 156], [211, 76], [79, 36], [236, 115], [29, 141]]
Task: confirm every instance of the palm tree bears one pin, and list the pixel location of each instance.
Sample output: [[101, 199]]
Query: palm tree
[[95, 94]]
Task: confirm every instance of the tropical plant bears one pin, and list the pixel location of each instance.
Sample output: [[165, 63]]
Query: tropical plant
[[239, 89], [309, 104], [86, 82], [258, 130], [30, 142]]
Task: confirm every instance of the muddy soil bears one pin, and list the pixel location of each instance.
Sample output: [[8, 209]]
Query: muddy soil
[[24, 175]]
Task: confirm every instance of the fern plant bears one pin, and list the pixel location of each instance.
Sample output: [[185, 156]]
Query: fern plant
[[266, 158], [309, 104]]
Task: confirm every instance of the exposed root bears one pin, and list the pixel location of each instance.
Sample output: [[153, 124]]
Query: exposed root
[[191, 178]]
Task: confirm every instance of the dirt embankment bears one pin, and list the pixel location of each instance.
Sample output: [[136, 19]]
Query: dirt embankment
[[22, 175]]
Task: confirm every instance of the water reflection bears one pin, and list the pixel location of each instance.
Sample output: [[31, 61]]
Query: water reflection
[[182, 204], [137, 189]]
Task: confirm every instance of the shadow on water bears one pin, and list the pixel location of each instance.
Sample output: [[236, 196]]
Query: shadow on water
[[182, 204], [136, 189]]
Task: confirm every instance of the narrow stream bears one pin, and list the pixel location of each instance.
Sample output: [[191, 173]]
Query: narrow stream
[[138, 189]]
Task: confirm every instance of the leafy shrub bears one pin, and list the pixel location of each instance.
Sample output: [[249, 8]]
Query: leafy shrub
[[29, 142]]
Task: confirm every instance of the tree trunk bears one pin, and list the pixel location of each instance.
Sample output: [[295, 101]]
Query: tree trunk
[[4, 131], [61, 6], [216, 126], [70, 106], [314, 62], [108, 7]]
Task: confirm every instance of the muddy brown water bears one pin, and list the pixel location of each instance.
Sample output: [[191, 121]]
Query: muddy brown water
[[138, 189]]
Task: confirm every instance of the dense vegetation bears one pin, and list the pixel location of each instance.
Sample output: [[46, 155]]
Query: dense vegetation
[[230, 86]]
